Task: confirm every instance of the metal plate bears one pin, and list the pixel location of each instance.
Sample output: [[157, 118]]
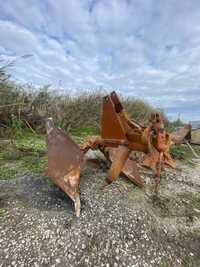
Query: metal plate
[[111, 126], [122, 164], [65, 160]]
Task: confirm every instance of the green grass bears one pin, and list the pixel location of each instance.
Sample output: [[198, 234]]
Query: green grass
[[178, 152], [35, 164], [2, 212], [83, 132], [33, 142], [79, 135], [182, 152], [10, 171], [22, 166], [26, 155], [28, 152]]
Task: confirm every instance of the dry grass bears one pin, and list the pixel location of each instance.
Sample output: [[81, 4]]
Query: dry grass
[[19, 105]]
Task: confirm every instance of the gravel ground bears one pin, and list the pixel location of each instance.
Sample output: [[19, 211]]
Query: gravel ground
[[119, 226]]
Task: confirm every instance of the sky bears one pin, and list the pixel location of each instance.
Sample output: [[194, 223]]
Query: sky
[[147, 49]]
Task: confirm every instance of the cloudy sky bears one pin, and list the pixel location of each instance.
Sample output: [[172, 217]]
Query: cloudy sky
[[143, 48]]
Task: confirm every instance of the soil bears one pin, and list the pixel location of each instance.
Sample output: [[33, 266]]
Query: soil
[[120, 225]]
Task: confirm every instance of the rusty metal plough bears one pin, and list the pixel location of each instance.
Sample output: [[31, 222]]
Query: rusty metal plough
[[119, 136]]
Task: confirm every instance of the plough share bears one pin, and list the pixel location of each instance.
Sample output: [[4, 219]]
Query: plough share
[[119, 136]]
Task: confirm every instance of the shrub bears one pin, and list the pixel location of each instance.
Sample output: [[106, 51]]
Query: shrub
[[24, 106]]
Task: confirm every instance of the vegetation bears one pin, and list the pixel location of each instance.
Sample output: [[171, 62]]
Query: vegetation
[[171, 126], [23, 107], [183, 152], [22, 113], [25, 154], [2, 212]]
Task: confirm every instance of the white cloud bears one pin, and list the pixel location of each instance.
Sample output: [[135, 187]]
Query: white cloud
[[16, 39], [141, 48]]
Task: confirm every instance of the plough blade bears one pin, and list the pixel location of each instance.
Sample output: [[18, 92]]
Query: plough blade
[[122, 164], [151, 160], [119, 136], [65, 160], [130, 170], [181, 134], [118, 158]]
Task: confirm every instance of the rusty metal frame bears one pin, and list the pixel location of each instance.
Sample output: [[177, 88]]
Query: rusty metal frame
[[119, 136]]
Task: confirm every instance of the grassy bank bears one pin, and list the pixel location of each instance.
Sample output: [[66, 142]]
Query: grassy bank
[[22, 113], [26, 152]]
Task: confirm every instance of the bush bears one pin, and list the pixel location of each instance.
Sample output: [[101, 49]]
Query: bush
[[178, 152], [24, 106]]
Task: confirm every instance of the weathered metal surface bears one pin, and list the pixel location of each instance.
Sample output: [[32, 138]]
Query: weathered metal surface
[[117, 104], [111, 126], [118, 158], [151, 160], [65, 160], [181, 134], [158, 143], [122, 113], [126, 166], [119, 136]]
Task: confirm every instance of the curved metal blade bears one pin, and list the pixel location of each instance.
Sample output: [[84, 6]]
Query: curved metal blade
[[118, 157], [181, 134], [122, 164], [130, 170], [65, 160]]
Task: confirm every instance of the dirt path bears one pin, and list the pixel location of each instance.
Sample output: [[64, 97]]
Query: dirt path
[[119, 226]]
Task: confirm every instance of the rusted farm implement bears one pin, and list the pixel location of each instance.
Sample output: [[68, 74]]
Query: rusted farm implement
[[119, 136]]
